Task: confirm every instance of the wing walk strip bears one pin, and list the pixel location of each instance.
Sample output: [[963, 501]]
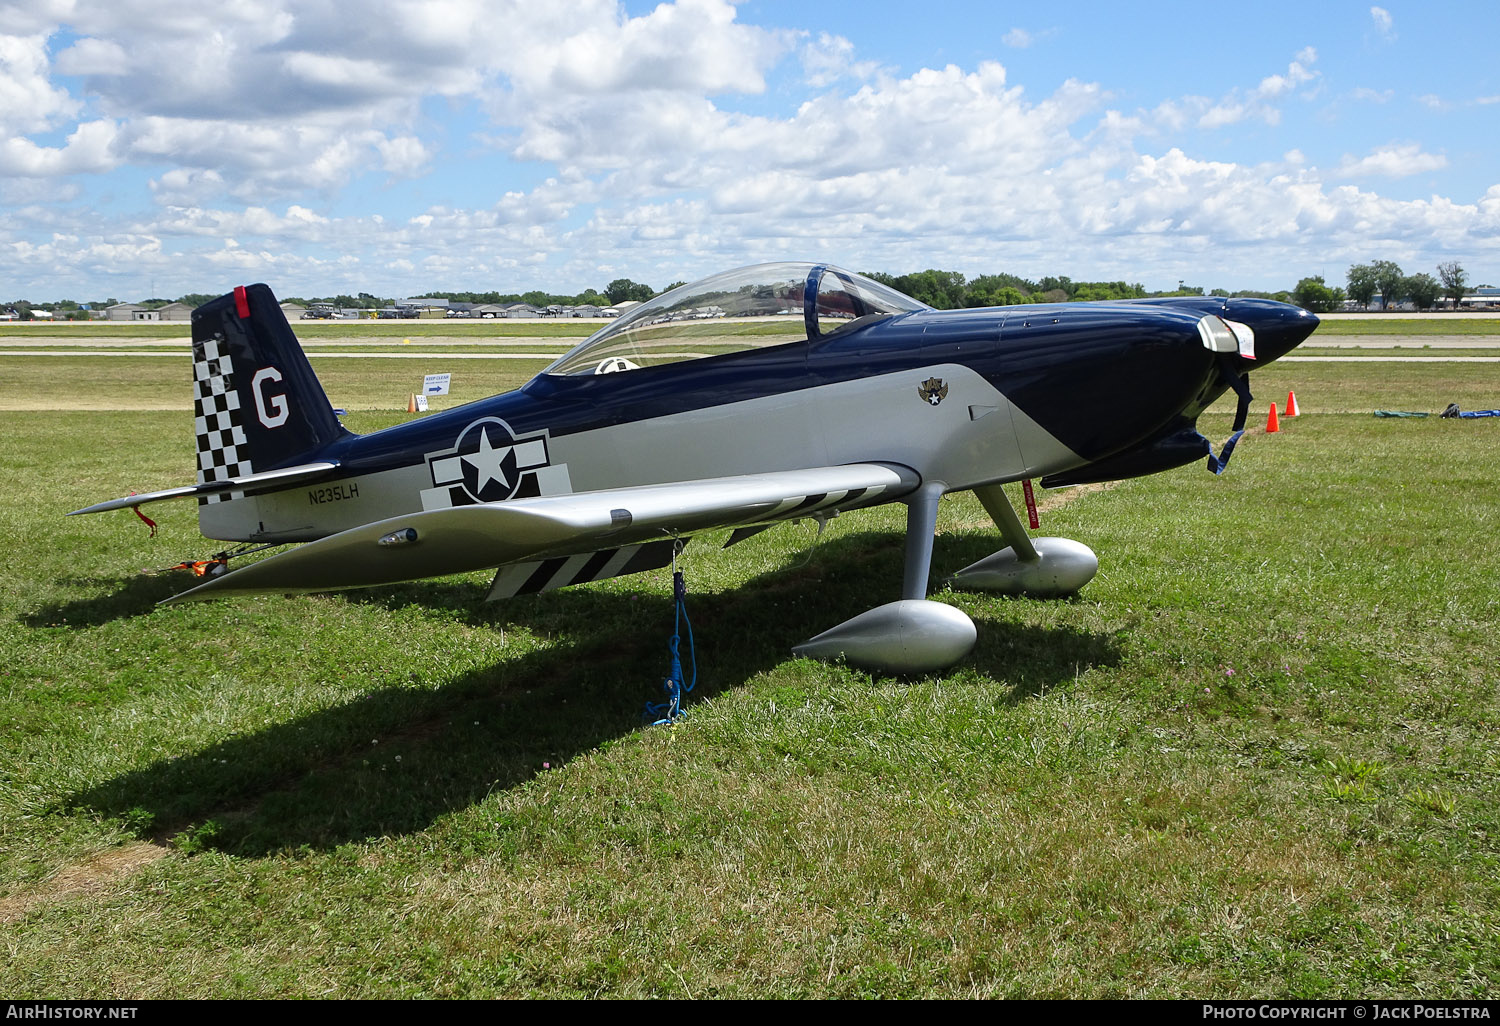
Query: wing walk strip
[[531, 578], [563, 571], [790, 508]]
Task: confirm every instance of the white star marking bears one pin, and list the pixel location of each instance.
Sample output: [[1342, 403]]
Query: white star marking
[[487, 462]]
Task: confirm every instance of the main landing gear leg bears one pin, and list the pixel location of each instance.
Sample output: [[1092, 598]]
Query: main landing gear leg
[[1040, 567], [913, 635]]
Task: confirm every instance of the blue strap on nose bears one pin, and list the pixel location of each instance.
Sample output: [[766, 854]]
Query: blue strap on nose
[[1241, 385]]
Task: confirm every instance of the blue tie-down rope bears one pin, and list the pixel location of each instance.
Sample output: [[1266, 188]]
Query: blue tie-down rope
[[1220, 463], [1241, 385], [670, 711]]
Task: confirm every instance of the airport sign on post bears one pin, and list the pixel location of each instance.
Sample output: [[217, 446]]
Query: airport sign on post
[[436, 384]]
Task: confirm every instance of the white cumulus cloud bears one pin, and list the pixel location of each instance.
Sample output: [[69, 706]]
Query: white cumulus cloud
[[1391, 162], [90, 148], [28, 99], [627, 145]]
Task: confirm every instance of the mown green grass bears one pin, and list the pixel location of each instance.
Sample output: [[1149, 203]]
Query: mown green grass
[[1373, 324], [566, 328], [162, 383], [1337, 387], [1380, 324], [1255, 757], [1397, 352]]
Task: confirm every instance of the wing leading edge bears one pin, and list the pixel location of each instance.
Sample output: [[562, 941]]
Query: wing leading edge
[[479, 537]]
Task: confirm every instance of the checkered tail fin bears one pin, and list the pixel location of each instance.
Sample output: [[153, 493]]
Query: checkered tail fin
[[257, 405]]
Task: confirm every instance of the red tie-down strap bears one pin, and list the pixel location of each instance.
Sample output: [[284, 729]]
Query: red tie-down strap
[[147, 520], [1031, 517]]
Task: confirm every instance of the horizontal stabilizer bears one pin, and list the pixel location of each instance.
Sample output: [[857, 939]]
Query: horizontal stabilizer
[[247, 483], [479, 537]]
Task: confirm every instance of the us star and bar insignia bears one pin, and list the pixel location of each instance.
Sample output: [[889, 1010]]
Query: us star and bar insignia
[[489, 463]]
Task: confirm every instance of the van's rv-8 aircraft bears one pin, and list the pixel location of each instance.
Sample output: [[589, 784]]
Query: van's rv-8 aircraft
[[770, 393]]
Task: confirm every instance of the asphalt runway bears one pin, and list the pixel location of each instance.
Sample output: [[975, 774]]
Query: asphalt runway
[[1389, 359], [1404, 342]]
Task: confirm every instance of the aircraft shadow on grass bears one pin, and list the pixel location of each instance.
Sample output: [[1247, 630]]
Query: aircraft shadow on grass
[[124, 597], [332, 776]]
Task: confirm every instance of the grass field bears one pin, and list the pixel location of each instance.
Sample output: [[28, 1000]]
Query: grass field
[[572, 328], [1255, 757], [1397, 325], [160, 383], [569, 328]]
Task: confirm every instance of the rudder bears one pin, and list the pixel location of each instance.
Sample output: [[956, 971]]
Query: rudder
[[257, 405]]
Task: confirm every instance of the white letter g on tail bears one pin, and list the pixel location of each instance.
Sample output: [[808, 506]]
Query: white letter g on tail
[[275, 416]]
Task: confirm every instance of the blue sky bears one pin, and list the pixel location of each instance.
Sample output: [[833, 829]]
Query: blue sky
[[396, 147]]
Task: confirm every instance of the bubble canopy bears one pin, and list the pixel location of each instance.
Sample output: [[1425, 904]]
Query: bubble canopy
[[754, 307]]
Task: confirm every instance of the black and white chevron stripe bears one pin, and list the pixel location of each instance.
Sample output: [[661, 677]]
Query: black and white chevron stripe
[[547, 574]]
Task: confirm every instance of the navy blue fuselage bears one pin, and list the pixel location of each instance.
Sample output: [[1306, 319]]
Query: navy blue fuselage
[[1101, 378]]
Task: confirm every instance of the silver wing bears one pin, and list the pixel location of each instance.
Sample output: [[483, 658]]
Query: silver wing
[[479, 537]]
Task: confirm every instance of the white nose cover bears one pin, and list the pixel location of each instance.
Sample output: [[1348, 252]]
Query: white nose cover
[[1245, 335], [1226, 336]]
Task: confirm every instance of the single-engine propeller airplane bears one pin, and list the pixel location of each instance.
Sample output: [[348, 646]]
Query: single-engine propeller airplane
[[769, 393]]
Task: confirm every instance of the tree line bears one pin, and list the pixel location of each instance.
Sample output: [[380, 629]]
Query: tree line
[[1385, 279], [949, 290], [944, 290]]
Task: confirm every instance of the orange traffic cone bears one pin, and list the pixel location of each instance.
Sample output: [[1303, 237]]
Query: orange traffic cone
[[1272, 424], [411, 404], [1291, 404]]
